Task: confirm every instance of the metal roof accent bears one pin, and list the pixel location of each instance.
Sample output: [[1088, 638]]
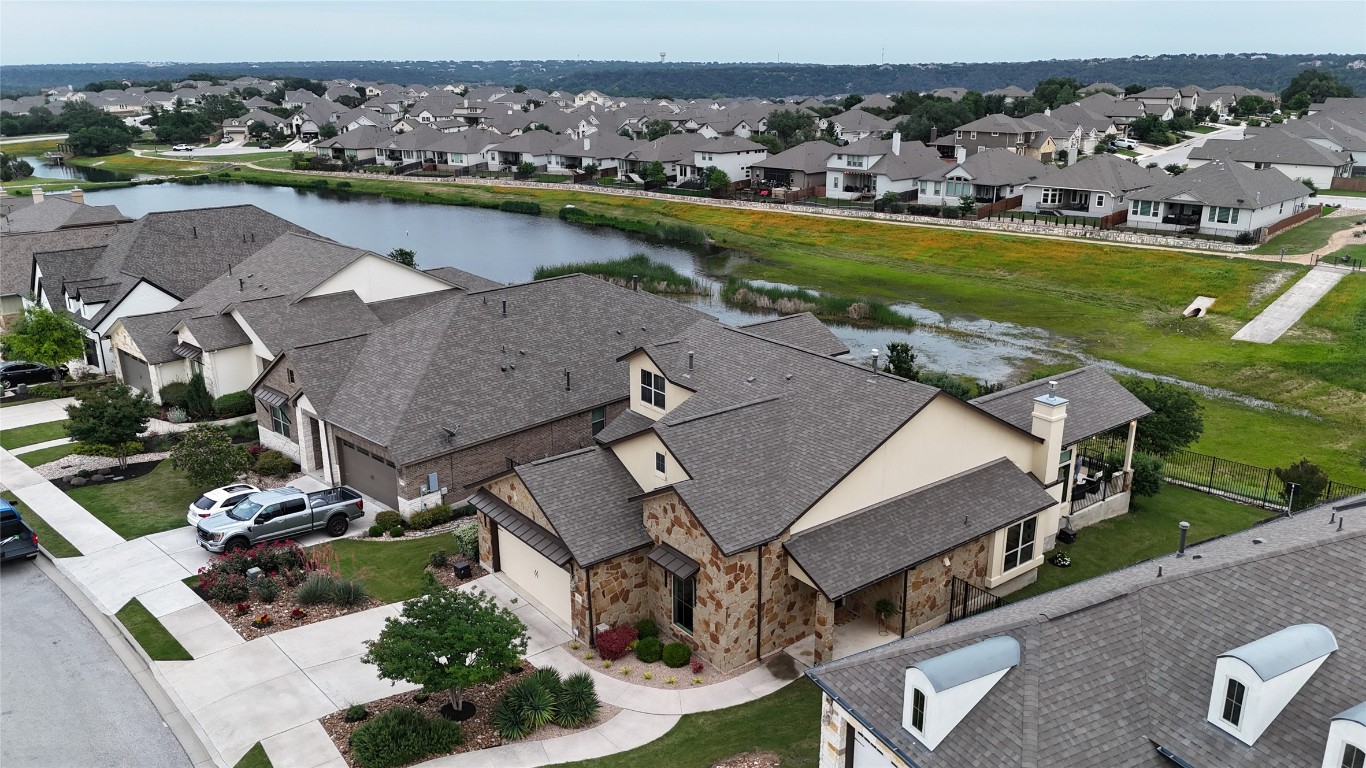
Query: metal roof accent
[[673, 561], [188, 351], [521, 526], [952, 669], [1280, 652], [273, 398], [1355, 714]]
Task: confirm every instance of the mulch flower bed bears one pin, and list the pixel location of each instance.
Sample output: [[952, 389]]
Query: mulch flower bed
[[478, 730], [750, 760], [281, 613], [446, 575], [631, 670]]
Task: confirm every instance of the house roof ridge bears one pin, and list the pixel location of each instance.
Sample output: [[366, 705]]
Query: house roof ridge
[[725, 409], [553, 459], [1032, 383]]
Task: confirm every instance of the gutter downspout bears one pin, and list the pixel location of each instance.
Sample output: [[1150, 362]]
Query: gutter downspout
[[905, 585], [588, 587], [759, 606]]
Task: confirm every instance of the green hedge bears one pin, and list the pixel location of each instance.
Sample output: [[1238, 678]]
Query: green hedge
[[232, 404], [400, 736], [520, 206]]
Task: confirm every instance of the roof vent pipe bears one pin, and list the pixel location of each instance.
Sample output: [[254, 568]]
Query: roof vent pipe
[[635, 282], [874, 351], [241, 284], [1181, 548], [505, 307], [566, 380], [194, 232], [690, 354]]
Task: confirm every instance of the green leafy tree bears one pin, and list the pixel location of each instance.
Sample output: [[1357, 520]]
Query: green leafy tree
[[1312, 86], [654, 171], [208, 457], [590, 170], [1148, 477], [13, 168], [327, 131], [448, 640], [1175, 421], [217, 108], [111, 416], [851, 101], [658, 129], [1175, 169], [1057, 91], [1310, 483], [403, 256], [791, 126], [526, 168], [1132, 88], [198, 401], [625, 133], [1252, 105], [901, 361], [99, 140], [772, 143], [1151, 130], [947, 382], [45, 336], [717, 180], [967, 205], [519, 88]]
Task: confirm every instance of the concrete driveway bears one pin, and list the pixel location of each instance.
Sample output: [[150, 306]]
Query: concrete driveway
[[1180, 153], [36, 412]]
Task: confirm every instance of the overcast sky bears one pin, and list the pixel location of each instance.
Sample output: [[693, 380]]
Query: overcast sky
[[818, 31]]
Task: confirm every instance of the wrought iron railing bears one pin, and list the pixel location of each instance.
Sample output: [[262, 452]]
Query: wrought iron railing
[[967, 599]]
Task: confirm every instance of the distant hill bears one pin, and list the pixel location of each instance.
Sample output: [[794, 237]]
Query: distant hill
[[764, 79]]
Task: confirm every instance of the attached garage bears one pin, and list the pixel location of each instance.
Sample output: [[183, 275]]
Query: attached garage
[[533, 558], [135, 372], [372, 475]]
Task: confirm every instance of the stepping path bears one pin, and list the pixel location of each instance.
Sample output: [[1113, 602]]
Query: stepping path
[[1287, 310]]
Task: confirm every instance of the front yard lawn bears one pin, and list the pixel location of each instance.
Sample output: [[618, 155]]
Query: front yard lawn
[[391, 570], [150, 633], [786, 722], [35, 433], [48, 538], [44, 455], [153, 503], [1149, 530]]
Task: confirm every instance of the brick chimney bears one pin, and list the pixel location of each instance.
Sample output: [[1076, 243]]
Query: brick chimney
[[1050, 415], [896, 142]]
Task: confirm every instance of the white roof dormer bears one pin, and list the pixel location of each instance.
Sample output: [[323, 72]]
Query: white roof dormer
[[941, 691], [1254, 682], [1347, 739]]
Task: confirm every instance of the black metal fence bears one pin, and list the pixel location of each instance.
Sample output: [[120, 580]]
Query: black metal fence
[[966, 600], [1245, 483]]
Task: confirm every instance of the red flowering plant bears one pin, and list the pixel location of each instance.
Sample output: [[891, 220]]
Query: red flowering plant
[[696, 667], [262, 621], [225, 577], [615, 643], [297, 613], [242, 609]]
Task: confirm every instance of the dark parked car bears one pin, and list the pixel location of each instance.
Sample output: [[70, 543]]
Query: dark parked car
[[20, 372], [16, 538]]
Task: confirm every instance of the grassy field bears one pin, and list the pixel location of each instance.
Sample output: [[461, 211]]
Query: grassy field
[[150, 634], [1150, 530], [391, 570], [131, 163], [44, 455], [152, 503], [1309, 236], [1202, 129], [48, 537], [29, 147], [786, 723], [36, 433]]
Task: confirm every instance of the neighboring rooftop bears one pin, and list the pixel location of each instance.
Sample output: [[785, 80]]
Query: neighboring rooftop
[[1096, 403]]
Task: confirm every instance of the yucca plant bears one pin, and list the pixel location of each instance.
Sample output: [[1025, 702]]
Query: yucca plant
[[549, 679], [509, 723], [577, 702]]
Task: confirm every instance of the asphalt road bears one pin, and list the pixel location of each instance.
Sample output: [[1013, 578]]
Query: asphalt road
[[66, 700]]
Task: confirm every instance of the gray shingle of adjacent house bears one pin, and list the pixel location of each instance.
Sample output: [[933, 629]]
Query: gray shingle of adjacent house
[[1271, 146], [152, 334], [995, 167], [1228, 184], [58, 212], [627, 424], [17, 251], [1096, 403], [1101, 173], [808, 157], [585, 496], [803, 331], [851, 552], [1116, 666]]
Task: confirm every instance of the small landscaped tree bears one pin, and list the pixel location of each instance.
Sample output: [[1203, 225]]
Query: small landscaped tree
[[448, 640], [1175, 421], [901, 361], [198, 401], [967, 205], [526, 169], [654, 171], [111, 416], [327, 131], [403, 256], [45, 336], [657, 129], [208, 458], [717, 180], [1310, 482], [590, 170]]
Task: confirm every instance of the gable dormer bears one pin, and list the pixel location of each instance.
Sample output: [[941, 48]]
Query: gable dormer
[[940, 692], [652, 394], [1254, 682], [1347, 739]]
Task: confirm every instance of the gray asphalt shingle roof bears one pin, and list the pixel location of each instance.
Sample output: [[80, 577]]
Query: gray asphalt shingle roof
[[152, 334], [803, 331], [626, 424], [1101, 173], [585, 496], [58, 212], [856, 550], [17, 250], [809, 157], [1114, 666], [1096, 403], [995, 167], [1271, 146], [1227, 183]]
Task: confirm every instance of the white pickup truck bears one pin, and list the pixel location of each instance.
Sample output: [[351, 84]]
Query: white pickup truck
[[280, 513]]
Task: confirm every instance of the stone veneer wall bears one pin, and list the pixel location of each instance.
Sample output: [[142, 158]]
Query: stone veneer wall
[[928, 588], [835, 725], [621, 592], [278, 379]]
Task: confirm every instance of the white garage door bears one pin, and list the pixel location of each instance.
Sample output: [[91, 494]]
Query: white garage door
[[536, 575]]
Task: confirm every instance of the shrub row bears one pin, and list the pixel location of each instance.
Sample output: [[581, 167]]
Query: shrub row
[[520, 206], [615, 643], [402, 735]]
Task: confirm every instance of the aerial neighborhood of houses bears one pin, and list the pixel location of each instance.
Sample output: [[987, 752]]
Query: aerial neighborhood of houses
[[753, 489]]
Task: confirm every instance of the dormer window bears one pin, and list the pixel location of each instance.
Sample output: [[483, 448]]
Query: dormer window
[[942, 691], [917, 710], [1347, 739], [1253, 683], [652, 389], [660, 464], [1233, 702], [1353, 757]]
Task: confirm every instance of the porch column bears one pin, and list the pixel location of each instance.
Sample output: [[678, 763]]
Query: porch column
[[824, 621], [1129, 455]]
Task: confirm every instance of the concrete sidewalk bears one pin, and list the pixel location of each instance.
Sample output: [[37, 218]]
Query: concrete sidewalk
[[1289, 307], [39, 446], [36, 412]]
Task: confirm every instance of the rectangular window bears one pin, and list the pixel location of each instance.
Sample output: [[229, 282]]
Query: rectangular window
[[279, 421], [1019, 544], [599, 419], [651, 389], [974, 135], [685, 595], [1064, 463], [856, 161], [291, 375], [1233, 702], [1353, 757], [659, 463], [1050, 197], [918, 709], [1223, 215], [936, 189], [1100, 200]]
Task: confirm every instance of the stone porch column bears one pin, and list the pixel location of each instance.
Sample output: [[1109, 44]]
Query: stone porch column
[[824, 620]]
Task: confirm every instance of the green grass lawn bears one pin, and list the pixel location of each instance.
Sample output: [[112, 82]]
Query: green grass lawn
[[149, 504], [44, 455], [1355, 251], [1309, 236], [150, 634], [1149, 530], [1345, 192], [36, 433], [786, 722], [255, 758], [391, 570], [48, 537], [1126, 152], [1203, 129]]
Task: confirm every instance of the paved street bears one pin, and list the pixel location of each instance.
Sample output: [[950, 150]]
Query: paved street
[[68, 700]]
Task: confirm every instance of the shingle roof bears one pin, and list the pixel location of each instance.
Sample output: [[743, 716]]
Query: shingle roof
[[1101, 173], [913, 161], [584, 495], [152, 334], [396, 390], [282, 323], [1117, 665], [1227, 183], [1096, 403], [853, 551], [17, 250], [289, 265], [858, 121], [803, 331], [809, 156], [461, 279], [1271, 146], [995, 167], [770, 428], [726, 144], [216, 332], [58, 212]]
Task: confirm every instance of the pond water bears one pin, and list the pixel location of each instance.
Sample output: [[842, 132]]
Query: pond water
[[508, 248], [42, 170]]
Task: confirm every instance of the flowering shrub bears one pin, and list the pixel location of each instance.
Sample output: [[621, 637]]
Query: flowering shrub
[[297, 613], [262, 621], [225, 586], [242, 609], [697, 667], [616, 643]]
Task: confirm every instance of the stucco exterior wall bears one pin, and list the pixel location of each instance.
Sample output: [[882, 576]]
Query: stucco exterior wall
[[233, 370], [673, 393], [637, 455], [375, 278]]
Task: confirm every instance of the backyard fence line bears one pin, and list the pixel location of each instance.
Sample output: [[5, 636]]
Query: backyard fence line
[[1244, 483]]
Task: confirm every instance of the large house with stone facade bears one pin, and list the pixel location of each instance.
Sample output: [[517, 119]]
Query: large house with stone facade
[[1246, 651], [759, 494]]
